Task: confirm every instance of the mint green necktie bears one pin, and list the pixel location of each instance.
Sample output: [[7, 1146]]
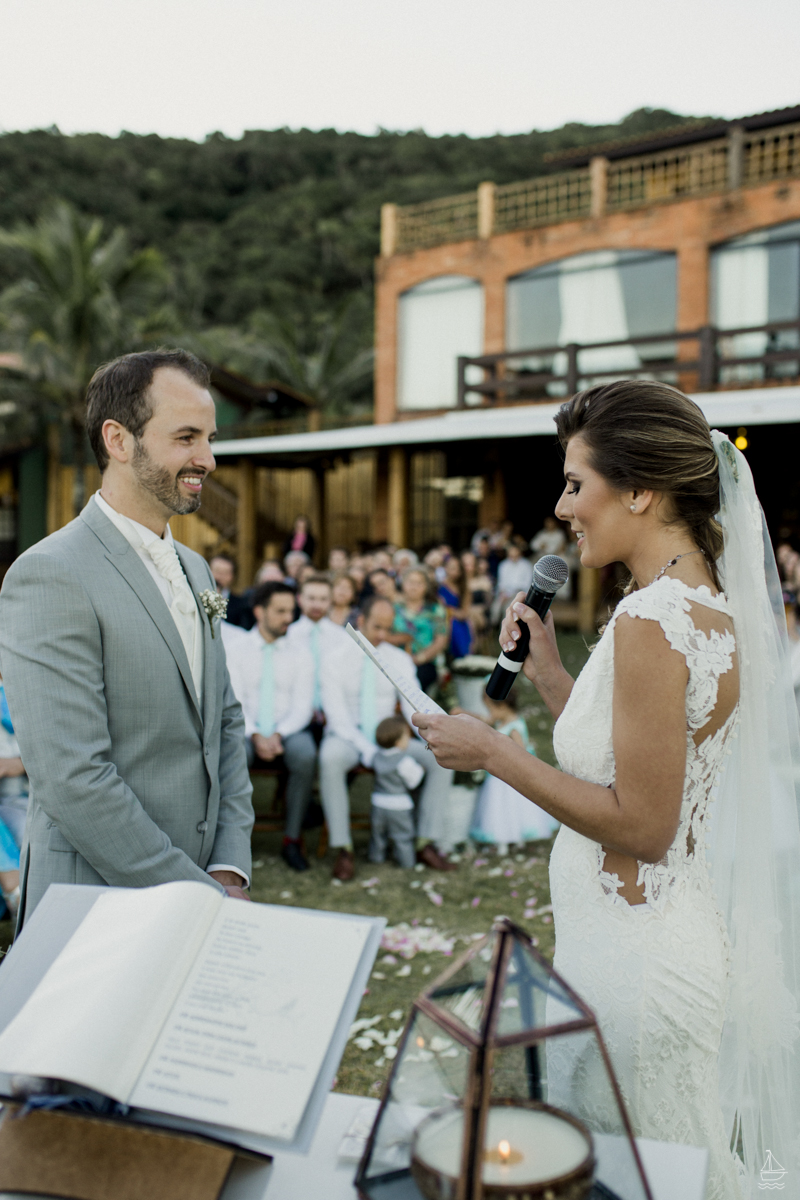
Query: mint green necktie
[[266, 697], [315, 655], [369, 721]]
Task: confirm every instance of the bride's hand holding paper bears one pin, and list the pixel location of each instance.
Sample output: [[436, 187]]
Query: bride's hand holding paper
[[459, 743]]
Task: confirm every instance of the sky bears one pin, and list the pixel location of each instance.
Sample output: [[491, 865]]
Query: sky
[[186, 68]]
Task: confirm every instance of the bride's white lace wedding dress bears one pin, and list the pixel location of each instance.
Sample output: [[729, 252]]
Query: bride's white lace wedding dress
[[655, 974]]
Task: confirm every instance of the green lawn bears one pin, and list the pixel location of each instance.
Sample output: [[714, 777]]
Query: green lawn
[[441, 912]]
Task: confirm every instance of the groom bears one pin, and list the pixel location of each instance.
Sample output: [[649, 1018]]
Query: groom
[[129, 730]]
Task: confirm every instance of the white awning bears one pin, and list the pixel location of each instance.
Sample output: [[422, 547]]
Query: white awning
[[755, 406]]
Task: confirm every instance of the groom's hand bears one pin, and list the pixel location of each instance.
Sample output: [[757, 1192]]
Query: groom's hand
[[232, 882]]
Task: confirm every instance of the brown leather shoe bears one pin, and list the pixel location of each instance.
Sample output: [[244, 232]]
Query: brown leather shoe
[[429, 856], [345, 867]]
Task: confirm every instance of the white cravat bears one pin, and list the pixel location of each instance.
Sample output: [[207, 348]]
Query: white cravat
[[183, 606], [161, 558]]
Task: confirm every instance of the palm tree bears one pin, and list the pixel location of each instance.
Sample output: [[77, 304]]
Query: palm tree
[[78, 298], [320, 355]]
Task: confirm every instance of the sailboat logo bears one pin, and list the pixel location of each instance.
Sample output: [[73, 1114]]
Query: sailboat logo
[[772, 1173]]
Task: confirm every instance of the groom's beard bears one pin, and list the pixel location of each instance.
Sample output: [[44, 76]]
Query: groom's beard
[[159, 483]]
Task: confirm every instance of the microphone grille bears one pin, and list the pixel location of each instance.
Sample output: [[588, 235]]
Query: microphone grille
[[550, 572]]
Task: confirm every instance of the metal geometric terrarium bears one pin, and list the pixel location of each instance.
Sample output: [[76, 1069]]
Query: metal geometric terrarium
[[487, 1094]]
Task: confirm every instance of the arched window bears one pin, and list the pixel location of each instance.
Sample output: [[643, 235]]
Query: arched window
[[755, 279], [604, 296], [437, 321]]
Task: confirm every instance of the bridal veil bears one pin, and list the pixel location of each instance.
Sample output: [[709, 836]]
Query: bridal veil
[[754, 846]]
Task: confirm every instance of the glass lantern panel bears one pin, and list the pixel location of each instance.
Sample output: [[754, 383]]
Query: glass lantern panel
[[532, 999], [429, 1073], [518, 1073], [574, 1078], [463, 993]]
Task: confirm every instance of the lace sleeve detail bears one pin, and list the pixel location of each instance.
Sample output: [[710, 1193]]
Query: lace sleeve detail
[[708, 656]]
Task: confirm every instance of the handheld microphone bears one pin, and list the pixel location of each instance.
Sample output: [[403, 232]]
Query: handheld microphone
[[549, 574]]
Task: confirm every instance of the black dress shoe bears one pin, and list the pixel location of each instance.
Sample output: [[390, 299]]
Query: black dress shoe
[[293, 856]]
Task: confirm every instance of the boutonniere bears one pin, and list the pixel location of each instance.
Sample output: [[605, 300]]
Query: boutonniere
[[214, 605]]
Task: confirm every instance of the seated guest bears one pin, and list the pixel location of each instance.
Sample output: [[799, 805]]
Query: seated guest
[[550, 539], [293, 564], [356, 697], [13, 808], [513, 575], [358, 573], [391, 814], [454, 596], [316, 633], [420, 624], [223, 568], [305, 572], [338, 560], [403, 559], [381, 583], [273, 681], [481, 589], [344, 595], [270, 571]]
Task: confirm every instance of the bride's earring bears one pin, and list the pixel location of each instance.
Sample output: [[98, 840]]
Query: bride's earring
[[633, 508]]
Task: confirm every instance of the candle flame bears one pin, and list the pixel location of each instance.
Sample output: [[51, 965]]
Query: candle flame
[[420, 1042], [504, 1150]]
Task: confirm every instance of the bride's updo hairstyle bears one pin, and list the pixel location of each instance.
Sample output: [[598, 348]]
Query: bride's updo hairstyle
[[647, 435]]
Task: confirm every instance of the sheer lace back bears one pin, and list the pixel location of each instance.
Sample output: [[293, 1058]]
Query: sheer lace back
[[698, 625]]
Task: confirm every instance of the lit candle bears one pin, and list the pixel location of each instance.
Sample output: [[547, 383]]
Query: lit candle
[[523, 1146]]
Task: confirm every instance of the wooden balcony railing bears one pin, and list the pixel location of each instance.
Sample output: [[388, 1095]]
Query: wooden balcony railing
[[699, 360], [741, 159]]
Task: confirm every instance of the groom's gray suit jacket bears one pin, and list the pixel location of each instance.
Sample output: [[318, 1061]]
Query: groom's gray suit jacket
[[133, 783]]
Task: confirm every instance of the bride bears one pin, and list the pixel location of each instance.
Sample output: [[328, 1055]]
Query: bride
[[676, 873]]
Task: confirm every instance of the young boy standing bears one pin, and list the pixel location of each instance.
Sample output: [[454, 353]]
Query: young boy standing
[[392, 809]]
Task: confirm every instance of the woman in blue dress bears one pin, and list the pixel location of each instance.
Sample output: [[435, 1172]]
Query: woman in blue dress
[[452, 596]]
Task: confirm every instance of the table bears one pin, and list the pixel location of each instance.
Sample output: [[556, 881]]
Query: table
[[675, 1172]]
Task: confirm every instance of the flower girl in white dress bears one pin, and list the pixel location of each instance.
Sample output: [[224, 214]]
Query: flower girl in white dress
[[674, 877], [502, 816]]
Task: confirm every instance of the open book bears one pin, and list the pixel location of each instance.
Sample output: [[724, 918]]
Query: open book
[[177, 1000]]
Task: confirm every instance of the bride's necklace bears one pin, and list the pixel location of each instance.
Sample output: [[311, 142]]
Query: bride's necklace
[[672, 562]]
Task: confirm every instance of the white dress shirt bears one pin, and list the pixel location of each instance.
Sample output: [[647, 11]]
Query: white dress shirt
[[326, 637], [140, 537], [293, 674], [513, 577], [341, 692]]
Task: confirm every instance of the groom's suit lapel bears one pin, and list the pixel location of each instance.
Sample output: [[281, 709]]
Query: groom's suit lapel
[[199, 582], [126, 561]]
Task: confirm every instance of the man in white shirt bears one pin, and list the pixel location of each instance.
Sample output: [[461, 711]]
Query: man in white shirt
[[514, 575], [356, 697], [273, 679], [318, 634]]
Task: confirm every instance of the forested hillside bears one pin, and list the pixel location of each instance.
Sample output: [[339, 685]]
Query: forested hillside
[[277, 220]]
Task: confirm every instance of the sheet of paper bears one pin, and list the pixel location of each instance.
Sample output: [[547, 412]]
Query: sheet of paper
[[249, 1032], [95, 1014], [415, 696]]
